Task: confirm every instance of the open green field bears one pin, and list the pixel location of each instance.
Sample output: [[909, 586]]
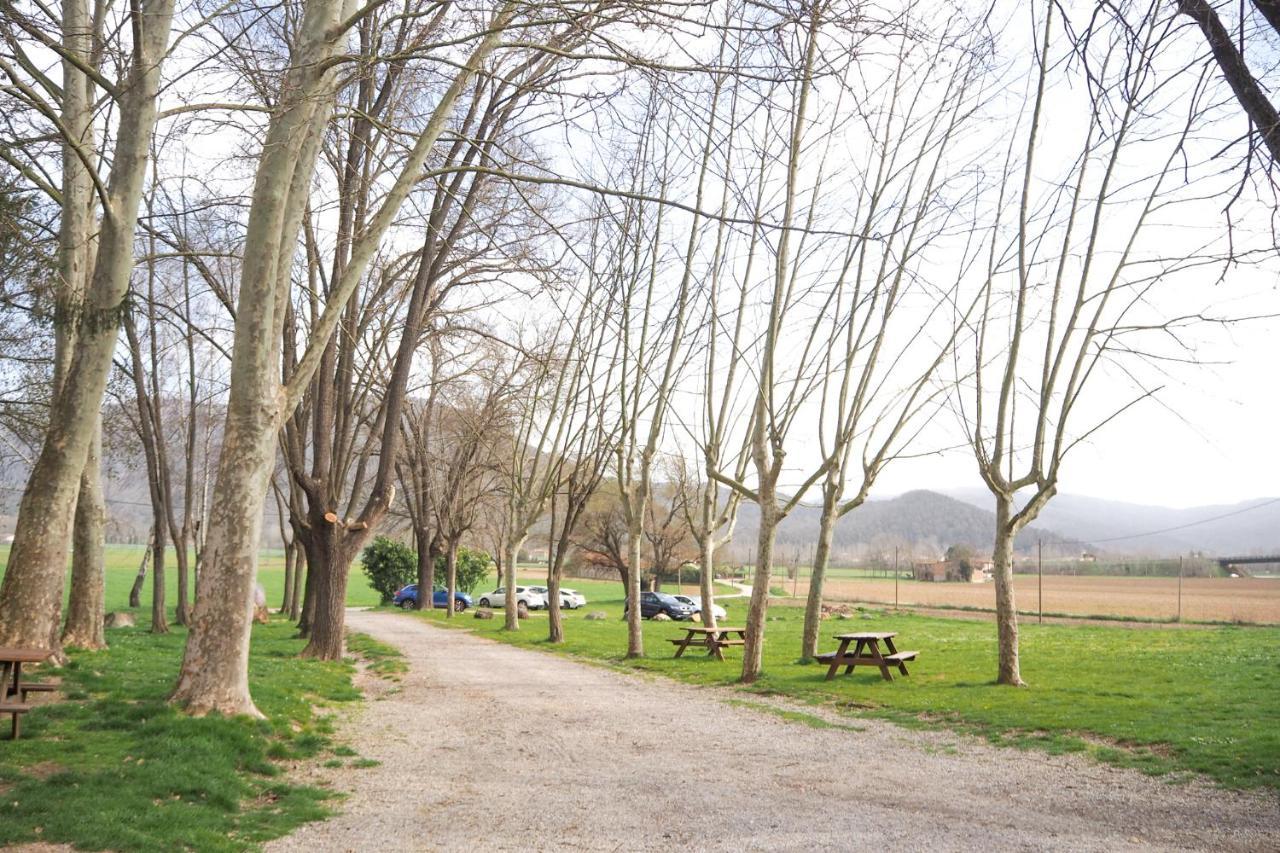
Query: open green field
[[122, 566], [1163, 700], [112, 766]]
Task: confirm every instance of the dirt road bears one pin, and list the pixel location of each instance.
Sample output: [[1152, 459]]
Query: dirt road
[[491, 747]]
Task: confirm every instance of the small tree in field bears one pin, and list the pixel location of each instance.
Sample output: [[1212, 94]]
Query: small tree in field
[[389, 565]]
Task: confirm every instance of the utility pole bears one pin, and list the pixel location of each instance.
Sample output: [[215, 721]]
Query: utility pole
[[895, 577], [1040, 571], [1179, 587]]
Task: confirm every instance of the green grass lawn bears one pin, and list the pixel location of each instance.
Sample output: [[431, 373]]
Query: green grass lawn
[[113, 767], [1163, 700]]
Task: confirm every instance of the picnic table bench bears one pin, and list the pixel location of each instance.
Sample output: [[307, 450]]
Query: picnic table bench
[[13, 691], [713, 639], [866, 651]]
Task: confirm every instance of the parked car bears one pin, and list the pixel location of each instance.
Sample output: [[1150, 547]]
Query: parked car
[[570, 599], [653, 603], [695, 601], [407, 598], [498, 598]]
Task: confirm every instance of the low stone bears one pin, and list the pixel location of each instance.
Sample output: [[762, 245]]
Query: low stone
[[596, 616], [843, 616], [484, 613], [661, 617], [118, 619]]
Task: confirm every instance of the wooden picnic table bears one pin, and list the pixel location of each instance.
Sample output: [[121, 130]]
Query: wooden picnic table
[[14, 691], [713, 639], [866, 651]]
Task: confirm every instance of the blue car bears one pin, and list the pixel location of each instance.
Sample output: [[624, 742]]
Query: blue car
[[407, 598]]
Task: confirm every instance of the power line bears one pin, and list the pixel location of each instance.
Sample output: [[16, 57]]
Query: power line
[[1189, 523]]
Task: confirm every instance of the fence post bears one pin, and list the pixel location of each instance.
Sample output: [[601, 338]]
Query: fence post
[[895, 577]]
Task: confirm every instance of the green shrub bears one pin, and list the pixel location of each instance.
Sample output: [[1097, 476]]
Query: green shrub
[[389, 565], [473, 567]]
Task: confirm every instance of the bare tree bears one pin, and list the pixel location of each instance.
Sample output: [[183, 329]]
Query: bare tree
[[1067, 285], [31, 593], [881, 362]]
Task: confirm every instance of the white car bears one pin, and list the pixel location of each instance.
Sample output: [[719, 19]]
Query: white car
[[498, 598], [695, 601], [570, 599]]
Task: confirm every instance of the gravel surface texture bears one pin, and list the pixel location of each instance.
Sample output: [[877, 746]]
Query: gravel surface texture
[[602, 760]]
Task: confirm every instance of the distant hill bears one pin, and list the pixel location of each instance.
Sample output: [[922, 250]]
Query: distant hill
[[1248, 527], [922, 523]]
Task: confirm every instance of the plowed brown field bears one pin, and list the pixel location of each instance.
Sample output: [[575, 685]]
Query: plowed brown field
[[1213, 599]]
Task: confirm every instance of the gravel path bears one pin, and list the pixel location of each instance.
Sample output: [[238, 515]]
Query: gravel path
[[611, 761]]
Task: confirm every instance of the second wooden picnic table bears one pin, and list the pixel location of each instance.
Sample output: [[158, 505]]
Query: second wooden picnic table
[[867, 652], [713, 639], [13, 695]]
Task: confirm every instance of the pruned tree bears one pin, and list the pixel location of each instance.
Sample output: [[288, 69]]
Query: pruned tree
[[1072, 267], [896, 319]]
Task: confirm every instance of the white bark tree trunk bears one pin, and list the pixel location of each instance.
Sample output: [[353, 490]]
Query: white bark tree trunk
[[1009, 671], [635, 541], [86, 607], [753, 649], [817, 574]]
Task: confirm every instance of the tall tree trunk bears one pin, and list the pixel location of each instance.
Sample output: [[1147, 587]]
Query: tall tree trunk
[[817, 574], [1006, 610], [215, 664], [753, 649], [706, 579], [329, 558], [135, 592], [451, 577], [75, 254], [159, 618], [290, 574], [428, 547], [300, 573], [31, 593], [635, 627], [181, 614], [308, 599], [707, 551], [86, 608], [555, 620], [510, 607]]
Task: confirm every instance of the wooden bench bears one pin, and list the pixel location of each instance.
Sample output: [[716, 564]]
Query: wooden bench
[[900, 658], [36, 687], [16, 709]]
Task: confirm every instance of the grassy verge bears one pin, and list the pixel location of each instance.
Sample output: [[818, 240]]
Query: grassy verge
[[113, 767], [1205, 700], [387, 661]]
